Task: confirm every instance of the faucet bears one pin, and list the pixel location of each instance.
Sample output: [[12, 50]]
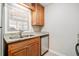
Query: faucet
[[20, 33]]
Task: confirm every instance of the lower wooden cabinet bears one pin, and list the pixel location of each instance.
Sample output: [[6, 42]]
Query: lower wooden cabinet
[[30, 47], [30, 50]]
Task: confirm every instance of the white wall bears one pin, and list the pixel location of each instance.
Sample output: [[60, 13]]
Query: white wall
[[62, 22]]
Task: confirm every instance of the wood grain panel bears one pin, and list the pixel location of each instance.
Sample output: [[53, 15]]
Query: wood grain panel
[[29, 47], [38, 15]]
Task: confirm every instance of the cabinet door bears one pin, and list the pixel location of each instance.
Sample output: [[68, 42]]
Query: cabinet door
[[34, 15], [33, 50], [20, 53], [40, 14]]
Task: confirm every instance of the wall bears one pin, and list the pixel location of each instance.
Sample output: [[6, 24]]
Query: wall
[[62, 22], [2, 29]]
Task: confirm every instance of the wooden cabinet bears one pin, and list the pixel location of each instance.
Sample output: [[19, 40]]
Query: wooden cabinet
[[30, 47], [38, 14]]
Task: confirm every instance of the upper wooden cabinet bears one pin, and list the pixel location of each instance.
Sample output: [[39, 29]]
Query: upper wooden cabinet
[[37, 14]]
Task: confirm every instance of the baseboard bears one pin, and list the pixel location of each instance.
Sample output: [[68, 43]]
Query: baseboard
[[56, 53]]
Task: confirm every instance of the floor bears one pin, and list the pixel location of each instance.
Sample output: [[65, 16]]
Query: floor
[[50, 54]]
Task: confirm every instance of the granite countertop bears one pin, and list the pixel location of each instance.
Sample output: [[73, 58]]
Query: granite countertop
[[26, 38]]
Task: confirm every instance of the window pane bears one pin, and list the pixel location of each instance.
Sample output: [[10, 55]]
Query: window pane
[[12, 26], [18, 17]]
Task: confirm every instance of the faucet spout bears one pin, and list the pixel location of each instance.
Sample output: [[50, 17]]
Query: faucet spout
[[20, 33]]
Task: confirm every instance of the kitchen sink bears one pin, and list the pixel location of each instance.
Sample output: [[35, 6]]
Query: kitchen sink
[[27, 35], [17, 37], [14, 37]]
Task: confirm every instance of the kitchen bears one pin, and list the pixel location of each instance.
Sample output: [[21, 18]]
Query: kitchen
[[19, 40], [39, 29]]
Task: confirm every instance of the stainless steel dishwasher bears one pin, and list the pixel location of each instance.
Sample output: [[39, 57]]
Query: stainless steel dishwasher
[[44, 44]]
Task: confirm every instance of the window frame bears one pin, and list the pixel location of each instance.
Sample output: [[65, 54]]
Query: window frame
[[7, 21]]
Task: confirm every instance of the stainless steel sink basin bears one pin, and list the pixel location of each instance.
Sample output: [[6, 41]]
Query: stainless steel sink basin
[[27, 35], [16, 37]]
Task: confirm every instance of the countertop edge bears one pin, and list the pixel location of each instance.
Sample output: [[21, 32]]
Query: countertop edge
[[22, 39]]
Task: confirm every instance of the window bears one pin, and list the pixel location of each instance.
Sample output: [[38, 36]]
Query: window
[[18, 17]]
